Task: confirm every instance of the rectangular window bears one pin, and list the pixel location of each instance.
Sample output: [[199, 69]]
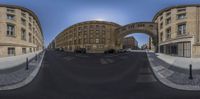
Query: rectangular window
[[181, 10], [23, 50], [161, 18], [23, 14], [181, 16], [11, 10], [10, 30], [30, 26], [30, 50], [11, 51], [168, 13], [168, 33], [97, 40], [23, 34], [161, 36], [23, 22], [182, 29], [161, 25], [168, 21], [30, 19], [30, 37], [10, 17]]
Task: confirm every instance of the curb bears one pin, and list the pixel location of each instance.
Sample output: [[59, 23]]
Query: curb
[[170, 84], [27, 80]]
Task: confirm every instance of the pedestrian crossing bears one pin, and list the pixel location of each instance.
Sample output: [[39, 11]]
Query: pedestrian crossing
[[106, 61], [69, 58], [146, 76]]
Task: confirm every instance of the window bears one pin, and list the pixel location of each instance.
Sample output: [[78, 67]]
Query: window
[[11, 51], [181, 16], [168, 21], [23, 34], [97, 31], [23, 14], [30, 49], [30, 37], [30, 19], [182, 29], [23, 50], [161, 25], [10, 17], [30, 26], [168, 33], [10, 30], [181, 10], [161, 18], [161, 36], [11, 10], [23, 22], [168, 13], [97, 40]]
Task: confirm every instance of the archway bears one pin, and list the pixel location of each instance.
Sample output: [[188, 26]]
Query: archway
[[149, 28]]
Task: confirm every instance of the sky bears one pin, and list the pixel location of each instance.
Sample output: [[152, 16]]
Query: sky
[[57, 15]]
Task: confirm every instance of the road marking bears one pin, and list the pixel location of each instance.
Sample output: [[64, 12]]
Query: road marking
[[68, 58], [103, 61], [106, 61], [165, 73], [110, 60], [158, 68]]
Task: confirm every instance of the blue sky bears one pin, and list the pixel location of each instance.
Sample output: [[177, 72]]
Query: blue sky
[[56, 15]]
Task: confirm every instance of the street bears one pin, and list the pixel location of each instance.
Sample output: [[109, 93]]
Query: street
[[96, 76]]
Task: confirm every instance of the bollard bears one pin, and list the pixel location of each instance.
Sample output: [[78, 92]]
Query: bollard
[[190, 76], [36, 57], [26, 63]]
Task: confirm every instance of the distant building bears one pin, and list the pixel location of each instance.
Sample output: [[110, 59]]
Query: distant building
[[94, 36], [52, 45], [130, 42]]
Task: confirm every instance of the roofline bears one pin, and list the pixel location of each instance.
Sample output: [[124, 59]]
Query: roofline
[[88, 22], [27, 10], [172, 7]]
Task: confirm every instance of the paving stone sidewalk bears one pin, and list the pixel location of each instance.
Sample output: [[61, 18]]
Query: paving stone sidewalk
[[17, 77], [173, 76]]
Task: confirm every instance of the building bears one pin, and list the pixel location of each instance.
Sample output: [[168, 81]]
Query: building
[[95, 36], [130, 42], [52, 45], [20, 31], [179, 30]]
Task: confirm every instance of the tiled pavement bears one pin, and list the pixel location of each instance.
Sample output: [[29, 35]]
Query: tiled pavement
[[18, 77], [172, 76]]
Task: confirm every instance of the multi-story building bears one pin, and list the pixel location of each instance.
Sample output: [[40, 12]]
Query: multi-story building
[[130, 42], [52, 45], [20, 31], [95, 36], [179, 30]]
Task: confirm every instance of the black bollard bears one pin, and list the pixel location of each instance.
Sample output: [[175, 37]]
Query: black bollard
[[26, 63], [190, 77]]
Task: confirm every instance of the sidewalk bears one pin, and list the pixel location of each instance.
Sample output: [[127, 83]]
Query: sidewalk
[[10, 62], [180, 62], [18, 77], [174, 76]]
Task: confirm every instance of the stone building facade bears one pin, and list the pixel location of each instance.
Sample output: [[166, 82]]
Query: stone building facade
[[20, 31], [179, 30], [130, 42], [95, 36]]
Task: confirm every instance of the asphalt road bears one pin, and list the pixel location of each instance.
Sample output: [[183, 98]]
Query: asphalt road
[[96, 76]]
